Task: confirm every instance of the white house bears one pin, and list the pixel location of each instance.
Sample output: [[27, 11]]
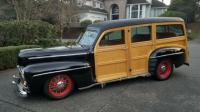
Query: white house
[[134, 8], [92, 10], [119, 9], [103, 10]]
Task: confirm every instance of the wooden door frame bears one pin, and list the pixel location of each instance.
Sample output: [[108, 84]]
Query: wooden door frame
[[132, 44], [97, 47]]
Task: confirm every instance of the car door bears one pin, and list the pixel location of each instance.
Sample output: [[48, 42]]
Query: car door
[[111, 55], [140, 48]]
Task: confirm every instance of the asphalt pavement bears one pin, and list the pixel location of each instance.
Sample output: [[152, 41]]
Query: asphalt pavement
[[181, 93]]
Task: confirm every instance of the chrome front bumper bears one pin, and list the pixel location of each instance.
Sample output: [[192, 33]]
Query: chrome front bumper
[[21, 88]]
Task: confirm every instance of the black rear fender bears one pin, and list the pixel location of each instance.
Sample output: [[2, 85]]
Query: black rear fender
[[177, 55]]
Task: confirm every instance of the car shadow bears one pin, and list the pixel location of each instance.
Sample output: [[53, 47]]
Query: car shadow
[[109, 86]]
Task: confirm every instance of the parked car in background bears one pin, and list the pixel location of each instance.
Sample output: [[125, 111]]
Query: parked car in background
[[107, 52]]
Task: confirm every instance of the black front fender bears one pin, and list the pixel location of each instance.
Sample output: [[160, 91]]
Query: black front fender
[[37, 70], [37, 74]]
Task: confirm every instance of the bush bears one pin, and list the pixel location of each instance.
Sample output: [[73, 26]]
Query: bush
[[48, 42], [9, 55], [25, 32], [85, 23], [97, 21], [174, 14], [69, 43]]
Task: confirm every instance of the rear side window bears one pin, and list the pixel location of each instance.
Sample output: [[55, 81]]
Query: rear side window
[[168, 31], [140, 34], [113, 38]]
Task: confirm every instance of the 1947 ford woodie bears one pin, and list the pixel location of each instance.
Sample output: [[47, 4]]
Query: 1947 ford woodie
[[107, 52]]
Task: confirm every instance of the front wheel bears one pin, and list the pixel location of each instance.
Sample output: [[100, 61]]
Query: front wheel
[[164, 69], [58, 86]]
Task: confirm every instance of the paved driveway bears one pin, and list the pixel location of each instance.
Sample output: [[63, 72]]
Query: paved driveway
[[179, 94]]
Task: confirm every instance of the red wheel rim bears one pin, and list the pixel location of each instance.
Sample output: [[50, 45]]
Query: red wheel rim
[[60, 85], [164, 69]]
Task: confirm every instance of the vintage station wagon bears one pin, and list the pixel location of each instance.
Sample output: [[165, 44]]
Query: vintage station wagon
[[107, 52]]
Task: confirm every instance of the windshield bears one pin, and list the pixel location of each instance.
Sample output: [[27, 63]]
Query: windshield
[[88, 38]]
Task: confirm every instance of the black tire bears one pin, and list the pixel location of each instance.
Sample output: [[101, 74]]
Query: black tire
[[58, 86], [161, 69]]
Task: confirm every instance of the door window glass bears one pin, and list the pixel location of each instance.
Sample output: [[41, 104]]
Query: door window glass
[[140, 34], [113, 38], [168, 31]]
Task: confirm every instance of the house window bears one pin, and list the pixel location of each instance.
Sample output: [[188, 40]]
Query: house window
[[101, 5], [94, 4], [128, 11], [115, 12], [136, 11], [75, 19], [140, 11], [79, 2], [98, 4]]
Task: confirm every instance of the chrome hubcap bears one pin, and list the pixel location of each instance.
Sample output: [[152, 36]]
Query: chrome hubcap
[[60, 84], [163, 68]]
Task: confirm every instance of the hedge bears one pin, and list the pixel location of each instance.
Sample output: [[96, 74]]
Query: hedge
[[8, 55], [85, 23], [97, 21], [13, 33]]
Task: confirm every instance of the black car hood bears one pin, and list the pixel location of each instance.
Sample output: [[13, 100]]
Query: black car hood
[[54, 51], [49, 54]]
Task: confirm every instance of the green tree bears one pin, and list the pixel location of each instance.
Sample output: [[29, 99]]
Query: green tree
[[170, 13], [198, 9], [6, 11], [187, 7], [23, 8], [58, 12]]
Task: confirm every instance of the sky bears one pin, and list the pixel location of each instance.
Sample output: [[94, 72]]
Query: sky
[[166, 1]]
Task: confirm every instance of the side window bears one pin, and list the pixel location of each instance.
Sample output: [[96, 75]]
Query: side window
[[140, 34], [168, 31], [113, 38]]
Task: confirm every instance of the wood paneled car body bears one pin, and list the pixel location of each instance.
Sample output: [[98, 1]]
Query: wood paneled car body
[[107, 52]]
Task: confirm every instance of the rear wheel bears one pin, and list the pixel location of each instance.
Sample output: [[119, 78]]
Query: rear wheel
[[58, 86], [164, 69]]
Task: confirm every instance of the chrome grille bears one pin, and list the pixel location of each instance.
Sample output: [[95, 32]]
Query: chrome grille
[[21, 73]]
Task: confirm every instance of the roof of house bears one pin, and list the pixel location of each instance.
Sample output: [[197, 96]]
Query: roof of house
[[155, 3], [88, 8], [136, 1], [124, 22]]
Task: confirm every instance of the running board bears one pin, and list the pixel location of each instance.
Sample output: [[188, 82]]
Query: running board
[[116, 80]]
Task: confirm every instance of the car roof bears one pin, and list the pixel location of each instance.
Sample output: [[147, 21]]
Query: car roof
[[129, 22]]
